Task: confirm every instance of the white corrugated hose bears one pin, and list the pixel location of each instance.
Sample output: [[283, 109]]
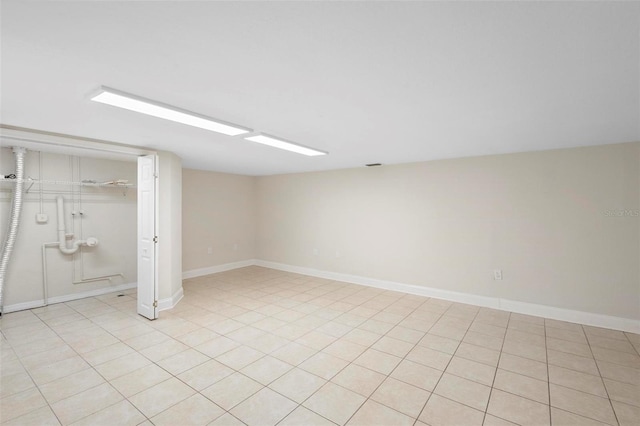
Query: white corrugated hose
[[14, 220]]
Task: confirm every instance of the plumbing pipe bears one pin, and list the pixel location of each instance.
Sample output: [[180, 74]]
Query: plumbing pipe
[[94, 279], [100, 278], [45, 283], [14, 220], [82, 279], [62, 233]]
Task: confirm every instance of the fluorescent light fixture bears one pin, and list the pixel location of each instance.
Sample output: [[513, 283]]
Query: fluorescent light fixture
[[156, 109], [289, 146]]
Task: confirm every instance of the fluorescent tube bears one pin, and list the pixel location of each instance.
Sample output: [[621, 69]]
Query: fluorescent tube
[[289, 146], [156, 109]]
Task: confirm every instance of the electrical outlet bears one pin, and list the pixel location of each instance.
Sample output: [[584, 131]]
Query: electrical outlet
[[497, 274], [210, 250], [42, 218]]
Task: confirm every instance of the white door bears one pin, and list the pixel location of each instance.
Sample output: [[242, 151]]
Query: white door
[[147, 276]]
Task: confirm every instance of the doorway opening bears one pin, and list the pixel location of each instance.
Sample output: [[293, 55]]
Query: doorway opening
[[88, 223]]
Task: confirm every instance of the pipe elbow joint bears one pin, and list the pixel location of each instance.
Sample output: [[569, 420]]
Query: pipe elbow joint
[[75, 245], [64, 249]]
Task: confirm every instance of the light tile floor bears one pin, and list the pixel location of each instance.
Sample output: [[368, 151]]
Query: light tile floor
[[262, 347]]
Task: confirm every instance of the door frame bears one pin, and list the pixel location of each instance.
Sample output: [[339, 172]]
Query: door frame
[[72, 145]]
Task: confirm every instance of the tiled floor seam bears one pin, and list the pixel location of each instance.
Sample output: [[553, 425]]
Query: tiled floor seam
[[484, 418], [98, 372], [391, 372], [366, 398], [49, 405], [546, 351], [414, 346], [266, 386], [383, 305], [387, 376], [37, 387], [445, 368], [601, 379], [107, 380]]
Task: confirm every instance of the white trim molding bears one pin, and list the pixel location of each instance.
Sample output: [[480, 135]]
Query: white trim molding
[[471, 299], [28, 137], [68, 297], [580, 317], [171, 302], [194, 273], [561, 314]]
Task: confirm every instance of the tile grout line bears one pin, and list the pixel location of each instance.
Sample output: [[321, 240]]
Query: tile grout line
[[257, 284], [317, 351], [615, 415], [37, 387], [394, 368], [351, 362], [546, 352], [77, 354], [449, 362], [497, 367], [135, 351], [107, 381]]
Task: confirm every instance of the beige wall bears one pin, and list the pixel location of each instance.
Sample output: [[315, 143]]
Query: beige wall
[[109, 215], [218, 213], [169, 224], [547, 219]]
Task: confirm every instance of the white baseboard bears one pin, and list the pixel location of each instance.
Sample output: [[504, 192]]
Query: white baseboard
[[471, 299], [68, 297], [170, 302], [217, 268], [587, 318], [580, 317], [23, 306]]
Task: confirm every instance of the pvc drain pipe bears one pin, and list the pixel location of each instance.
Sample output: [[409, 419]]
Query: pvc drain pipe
[[62, 233]]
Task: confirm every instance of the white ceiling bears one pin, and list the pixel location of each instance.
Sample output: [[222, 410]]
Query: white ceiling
[[387, 82]]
